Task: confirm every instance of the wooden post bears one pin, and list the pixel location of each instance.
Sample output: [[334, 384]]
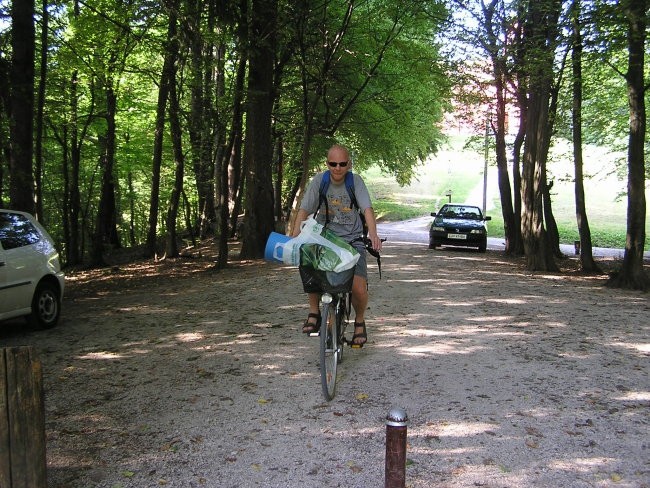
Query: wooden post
[[22, 420], [395, 468]]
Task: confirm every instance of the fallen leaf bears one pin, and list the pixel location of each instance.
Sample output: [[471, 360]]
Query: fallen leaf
[[256, 467], [361, 396], [354, 468], [128, 474], [533, 444], [615, 477]]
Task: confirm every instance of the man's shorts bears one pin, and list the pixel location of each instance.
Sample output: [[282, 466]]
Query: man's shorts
[[360, 269]]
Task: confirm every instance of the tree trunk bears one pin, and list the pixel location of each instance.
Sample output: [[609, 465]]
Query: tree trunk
[[552, 231], [106, 235], [500, 75], [179, 159], [541, 38], [234, 148], [516, 248], [587, 262], [166, 79], [259, 148], [40, 104], [23, 34], [632, 274], [206, 81]]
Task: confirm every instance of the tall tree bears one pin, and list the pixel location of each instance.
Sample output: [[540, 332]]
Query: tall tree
[[259, 146], [40, 104], [23, 36], [166, 80], [632, 274], [171, 248], [497, 28], [541, 40], [587, 262]]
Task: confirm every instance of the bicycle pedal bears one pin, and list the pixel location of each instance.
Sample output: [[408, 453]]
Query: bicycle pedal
[[314, 334]]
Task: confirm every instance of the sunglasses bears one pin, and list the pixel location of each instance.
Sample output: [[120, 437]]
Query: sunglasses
[[334, 164]]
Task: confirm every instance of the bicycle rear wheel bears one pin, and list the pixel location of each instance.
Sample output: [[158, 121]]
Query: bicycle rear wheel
[[329, 350]]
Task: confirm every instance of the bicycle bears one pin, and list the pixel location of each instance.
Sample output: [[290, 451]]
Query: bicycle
[[335, 306]]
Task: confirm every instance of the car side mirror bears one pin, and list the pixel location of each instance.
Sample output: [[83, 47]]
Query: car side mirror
[[433, 214], [487, 217]]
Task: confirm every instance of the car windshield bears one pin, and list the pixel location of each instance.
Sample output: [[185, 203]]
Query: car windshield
[[461, 212]]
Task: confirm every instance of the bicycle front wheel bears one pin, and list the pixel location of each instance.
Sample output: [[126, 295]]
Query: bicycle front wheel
[[329, 350]]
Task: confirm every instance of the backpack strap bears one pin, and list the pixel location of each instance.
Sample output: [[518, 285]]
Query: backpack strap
[[322, 193]]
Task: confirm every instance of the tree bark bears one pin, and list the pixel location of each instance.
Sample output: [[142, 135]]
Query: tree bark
[[259, 222], [587, 263], [40, 104], [171, 249], [205, 128], [541, 37], [632, 274], [106, 235], [23, 35], [166, 79], [499, 71]]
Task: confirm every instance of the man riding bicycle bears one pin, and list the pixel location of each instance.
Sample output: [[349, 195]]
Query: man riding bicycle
[[341, 217]]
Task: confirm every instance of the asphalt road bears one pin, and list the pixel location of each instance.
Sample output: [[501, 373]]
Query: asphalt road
[[416, 231]]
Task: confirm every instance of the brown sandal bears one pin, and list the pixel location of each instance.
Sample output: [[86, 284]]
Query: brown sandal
[[355, 336], [311, 327]]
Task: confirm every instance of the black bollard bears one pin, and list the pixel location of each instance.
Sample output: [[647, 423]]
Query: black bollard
[[396, 448]]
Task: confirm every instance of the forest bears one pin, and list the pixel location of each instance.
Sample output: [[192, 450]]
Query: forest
[[141, 124]]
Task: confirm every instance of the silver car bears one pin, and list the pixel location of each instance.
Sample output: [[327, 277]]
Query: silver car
[[31, 280]]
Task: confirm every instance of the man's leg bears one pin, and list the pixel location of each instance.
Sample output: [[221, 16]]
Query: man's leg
[[359, 303], [311, 324]]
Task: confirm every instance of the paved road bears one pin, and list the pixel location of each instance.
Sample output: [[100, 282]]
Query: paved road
[[416, 231]]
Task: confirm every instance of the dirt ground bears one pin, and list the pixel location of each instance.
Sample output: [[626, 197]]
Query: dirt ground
[[176, 374]]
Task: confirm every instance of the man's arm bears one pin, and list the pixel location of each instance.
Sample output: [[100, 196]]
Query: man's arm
[[371, 222], [301, 216]]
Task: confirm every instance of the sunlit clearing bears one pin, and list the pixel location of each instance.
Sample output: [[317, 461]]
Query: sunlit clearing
[[639, 347], [463, 429], [635, 396], [496, 318], [425, 332], [190, 337], [584, 465], [101, 355], [439, 348], [464, 258], [507, 301], [459, 304], [416, 281]]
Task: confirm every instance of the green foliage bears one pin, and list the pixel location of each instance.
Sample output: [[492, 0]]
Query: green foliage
[[383, 91]]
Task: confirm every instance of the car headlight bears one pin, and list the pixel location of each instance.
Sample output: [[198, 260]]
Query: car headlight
[[477, 231], [437, 229]]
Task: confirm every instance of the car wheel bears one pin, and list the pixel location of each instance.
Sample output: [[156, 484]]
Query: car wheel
[[482, 247], [46, 306], [433, 244]]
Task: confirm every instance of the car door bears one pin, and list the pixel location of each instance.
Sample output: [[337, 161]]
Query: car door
[[18, 262]]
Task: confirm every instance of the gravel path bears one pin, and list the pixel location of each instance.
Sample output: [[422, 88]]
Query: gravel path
[[178, 375]]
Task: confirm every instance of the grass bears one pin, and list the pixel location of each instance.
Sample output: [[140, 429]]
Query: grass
[[461, 171]]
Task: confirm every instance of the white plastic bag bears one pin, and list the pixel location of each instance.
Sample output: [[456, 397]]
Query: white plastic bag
[[312, 232]]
